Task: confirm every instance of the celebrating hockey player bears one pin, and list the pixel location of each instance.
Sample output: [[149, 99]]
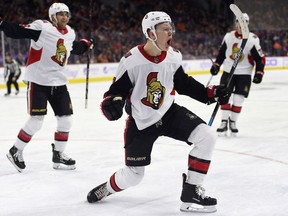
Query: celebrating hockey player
[[148, 78], [51, 45], [241, 80]]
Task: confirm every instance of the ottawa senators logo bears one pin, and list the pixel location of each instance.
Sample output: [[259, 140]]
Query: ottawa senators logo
[[155, 92], [235, 50], [61, 53]]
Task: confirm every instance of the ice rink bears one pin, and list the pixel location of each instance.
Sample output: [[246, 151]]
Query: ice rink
[[248, 174]]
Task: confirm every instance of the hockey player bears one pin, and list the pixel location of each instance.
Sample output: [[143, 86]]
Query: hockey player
[[51, 45], [11, 73], [241, 80], [149, 75]]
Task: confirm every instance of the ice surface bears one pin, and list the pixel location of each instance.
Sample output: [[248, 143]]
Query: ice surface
[[248, 174]]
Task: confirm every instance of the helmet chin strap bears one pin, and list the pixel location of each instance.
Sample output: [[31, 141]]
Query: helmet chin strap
[[154, 43], [55, 21]]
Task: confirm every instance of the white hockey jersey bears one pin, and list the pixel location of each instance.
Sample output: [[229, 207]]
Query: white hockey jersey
[[152, 79], [49, 54], [232, 42]]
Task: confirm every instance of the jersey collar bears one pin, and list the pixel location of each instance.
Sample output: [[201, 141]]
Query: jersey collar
[[154, 59], [237, 35], [62, 31]]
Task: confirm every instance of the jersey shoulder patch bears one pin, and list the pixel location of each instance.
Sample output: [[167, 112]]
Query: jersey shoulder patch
[[127, 54]]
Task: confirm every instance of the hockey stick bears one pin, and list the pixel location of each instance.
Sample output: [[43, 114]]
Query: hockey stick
[[88, 56], [245, 33], [208, 83]]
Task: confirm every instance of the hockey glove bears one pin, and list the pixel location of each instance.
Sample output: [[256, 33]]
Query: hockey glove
[[220, 93], [214, 69], [89, 43], [258, 77], [112, 107]]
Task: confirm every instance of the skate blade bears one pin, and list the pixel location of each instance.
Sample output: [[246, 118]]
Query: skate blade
[[192, 207], [233, 134], [10, 158], [59, 166], [222, 134]]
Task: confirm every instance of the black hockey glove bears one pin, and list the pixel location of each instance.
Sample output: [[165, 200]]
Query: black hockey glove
[[112, 107], [220, 93], [258, 77], [214, 69]]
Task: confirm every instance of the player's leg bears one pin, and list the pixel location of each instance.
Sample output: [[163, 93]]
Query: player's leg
[[120, 180], [242, 88], [61, 104], [225, 108], [8, 84], [36, 107], [187, 126], [138, 147], [203, 139]]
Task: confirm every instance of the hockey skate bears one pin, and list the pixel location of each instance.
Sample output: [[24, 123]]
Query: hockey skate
[[194, 199], [233, 128], [62, 161], [98, 193], [16, 158], [222, 130]]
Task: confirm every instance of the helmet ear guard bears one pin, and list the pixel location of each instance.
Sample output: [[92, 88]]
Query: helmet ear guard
[[152, 19], [58, 7]]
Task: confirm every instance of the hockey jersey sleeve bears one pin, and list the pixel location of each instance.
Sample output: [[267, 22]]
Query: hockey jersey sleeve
[[187, 85], [258, 55], [17, 31], [221, 55], [120, 87]]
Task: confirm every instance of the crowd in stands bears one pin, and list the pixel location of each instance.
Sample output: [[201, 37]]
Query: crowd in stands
[[116, 25]]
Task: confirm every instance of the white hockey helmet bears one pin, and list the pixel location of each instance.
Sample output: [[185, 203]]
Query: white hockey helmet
[[58, 7], [153, 18]]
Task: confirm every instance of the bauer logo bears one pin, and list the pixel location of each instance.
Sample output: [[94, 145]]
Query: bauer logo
[[136, 158]]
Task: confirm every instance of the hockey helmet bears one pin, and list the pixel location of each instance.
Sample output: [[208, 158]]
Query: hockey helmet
[[58, 7], [153, 18]]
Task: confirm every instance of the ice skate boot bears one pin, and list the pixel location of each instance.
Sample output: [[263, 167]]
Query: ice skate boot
[[222, 130], [98, 193], [233, 128], [62, 161], [194, 199], [16, 158]]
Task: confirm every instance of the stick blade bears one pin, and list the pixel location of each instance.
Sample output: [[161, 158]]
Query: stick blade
[[239, 16]]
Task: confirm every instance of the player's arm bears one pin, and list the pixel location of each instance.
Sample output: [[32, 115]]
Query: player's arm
[[260, 61], [17, 31], [187, 85], [114, 98], [219, 59]]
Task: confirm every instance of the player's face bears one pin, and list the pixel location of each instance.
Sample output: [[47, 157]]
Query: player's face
[[62, 19], [238, 28], [164, 33]]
